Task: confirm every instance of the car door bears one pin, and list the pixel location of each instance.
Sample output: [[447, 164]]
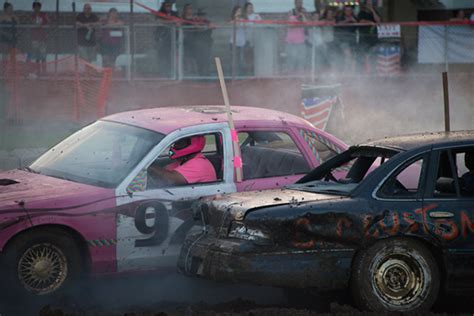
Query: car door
[[152, 221], [271, 158], [450, 208], [399, 199]]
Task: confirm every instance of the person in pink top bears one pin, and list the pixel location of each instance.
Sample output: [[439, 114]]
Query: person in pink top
[[191, 166], [296, 39]]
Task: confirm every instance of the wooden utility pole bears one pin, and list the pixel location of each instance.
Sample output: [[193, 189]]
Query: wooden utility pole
[[447, 126]]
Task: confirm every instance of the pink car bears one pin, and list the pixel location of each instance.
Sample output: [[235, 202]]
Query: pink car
[[89, 206]]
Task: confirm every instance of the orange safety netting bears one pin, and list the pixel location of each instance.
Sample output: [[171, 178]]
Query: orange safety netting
[[70, 86]]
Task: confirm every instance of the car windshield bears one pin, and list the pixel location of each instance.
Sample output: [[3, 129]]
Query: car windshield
[[343, 173], [101, 154]]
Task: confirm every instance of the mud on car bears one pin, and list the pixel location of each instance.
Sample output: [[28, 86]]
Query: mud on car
[[91, 206], [397, 229]]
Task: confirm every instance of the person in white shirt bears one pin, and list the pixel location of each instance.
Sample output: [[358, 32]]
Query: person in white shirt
[[251, 32], [238, 35]]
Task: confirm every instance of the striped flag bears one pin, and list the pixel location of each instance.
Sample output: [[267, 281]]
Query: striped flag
[[318, 110], [388, 60]]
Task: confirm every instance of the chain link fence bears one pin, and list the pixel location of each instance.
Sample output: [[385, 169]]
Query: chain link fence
[[175, 52], [388, 72]]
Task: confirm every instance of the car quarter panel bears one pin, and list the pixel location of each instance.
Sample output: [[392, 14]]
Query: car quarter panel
[[87, 210]]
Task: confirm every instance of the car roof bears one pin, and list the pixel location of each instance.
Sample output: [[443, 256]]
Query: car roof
[[167, 119], [407, 142]]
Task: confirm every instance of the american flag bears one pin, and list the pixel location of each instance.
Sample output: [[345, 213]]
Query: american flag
[[388, 60], [318, 110]]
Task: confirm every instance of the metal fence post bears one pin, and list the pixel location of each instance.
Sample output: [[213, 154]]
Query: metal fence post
[[131, 42], [128, 71], [174, 57], [180, 53], [76, 67], [313, 54], [56, 42], [234, 50]]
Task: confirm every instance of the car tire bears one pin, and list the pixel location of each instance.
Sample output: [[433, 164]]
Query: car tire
[[395, 275], [42, 264]]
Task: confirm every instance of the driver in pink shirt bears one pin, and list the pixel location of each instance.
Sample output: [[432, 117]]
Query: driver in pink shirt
[[191, 166]]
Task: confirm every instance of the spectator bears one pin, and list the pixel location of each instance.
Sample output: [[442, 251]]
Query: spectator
[[296, 38], [250, 13], [8, 31], [189, 39], [346, 35], [323, 38], [204, 43], [197, 41], [86, 39], [251, 32], [38, 37], [367, 34], [319, 9], [459, 15], [238, 39], [164, 35], [112, 38]]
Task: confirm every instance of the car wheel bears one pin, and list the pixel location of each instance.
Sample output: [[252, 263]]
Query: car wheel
[[42, 263], [396, 275]]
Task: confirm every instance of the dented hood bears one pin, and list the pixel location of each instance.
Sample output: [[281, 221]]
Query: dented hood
[[39, 191], [221, 210]]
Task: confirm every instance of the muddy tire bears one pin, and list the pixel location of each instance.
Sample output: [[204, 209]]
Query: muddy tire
[[396, 275], [42, 264]]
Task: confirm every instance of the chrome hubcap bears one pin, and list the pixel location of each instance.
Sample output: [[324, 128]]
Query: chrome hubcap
[[42, 269], [398, 279]]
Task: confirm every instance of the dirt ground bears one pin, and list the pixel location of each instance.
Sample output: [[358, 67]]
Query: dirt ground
[[175, 294]]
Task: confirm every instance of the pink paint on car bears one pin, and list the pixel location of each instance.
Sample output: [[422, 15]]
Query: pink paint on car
[[88, 205]]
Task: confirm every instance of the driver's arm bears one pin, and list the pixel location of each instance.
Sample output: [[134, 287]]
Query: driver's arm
[[170, 177]]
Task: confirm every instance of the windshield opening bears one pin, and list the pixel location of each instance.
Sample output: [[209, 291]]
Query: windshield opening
[[101, 154], [343, 173]]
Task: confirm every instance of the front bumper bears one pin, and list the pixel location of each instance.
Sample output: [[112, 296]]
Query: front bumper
[[235, 260]]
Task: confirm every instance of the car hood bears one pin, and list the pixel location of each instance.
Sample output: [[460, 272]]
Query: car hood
[[221, 210], [39, 191]]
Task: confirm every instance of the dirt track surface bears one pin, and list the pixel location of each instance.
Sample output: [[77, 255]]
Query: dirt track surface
[[178, 295]]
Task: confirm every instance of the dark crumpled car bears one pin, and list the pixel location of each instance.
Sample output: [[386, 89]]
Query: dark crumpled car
[[397, 230]]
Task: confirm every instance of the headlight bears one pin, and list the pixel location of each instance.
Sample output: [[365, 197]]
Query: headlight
[[239, 230]]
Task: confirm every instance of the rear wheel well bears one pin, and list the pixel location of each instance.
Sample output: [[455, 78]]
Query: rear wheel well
[[59, 229], [435, 251]]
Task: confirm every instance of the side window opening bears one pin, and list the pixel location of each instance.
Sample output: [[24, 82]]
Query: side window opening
[[465, 160], [405, 182], [212, 151], [445, 183], [270, 154], [455, 174]]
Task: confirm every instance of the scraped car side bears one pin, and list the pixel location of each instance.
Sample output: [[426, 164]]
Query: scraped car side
[[396, 229], [90, 205]]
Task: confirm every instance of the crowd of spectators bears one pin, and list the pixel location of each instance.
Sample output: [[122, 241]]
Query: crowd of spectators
[[93, 34], [342, 44], [339, 43]]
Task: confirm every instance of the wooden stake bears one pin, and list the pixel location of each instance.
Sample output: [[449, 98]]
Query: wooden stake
[[447, 126], [235, 140]]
